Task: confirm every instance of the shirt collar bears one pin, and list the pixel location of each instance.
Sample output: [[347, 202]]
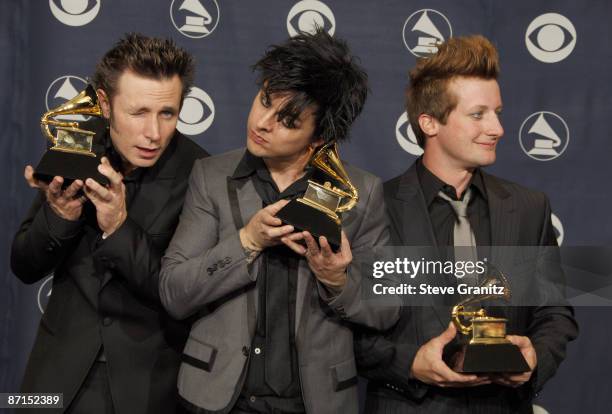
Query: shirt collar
[[432, 185], [248, 165]]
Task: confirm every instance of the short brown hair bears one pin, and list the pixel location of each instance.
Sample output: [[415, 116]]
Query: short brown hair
[[469, 56], [145, 56]]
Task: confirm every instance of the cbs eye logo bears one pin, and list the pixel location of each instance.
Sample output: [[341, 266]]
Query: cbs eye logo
[[197, 113], [550, 38], [75, 12], [305, 16], [405, 136]]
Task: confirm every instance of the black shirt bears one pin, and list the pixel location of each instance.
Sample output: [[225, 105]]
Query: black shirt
[[443, 216], [280, 264]]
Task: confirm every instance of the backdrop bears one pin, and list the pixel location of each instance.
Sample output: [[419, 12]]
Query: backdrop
[[556, 59]]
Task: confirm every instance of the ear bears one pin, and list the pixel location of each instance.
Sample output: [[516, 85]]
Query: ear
[[104, 103], [429, 125], [316, 143]]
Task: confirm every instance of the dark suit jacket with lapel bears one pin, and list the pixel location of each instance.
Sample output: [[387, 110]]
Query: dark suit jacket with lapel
[[519, 217], [204, 273], [105, 292]]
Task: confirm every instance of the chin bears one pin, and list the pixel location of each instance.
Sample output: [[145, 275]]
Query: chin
[[255, 149], [487, 160], [142, 163]]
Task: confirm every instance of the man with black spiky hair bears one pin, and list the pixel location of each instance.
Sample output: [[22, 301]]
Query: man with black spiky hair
[[274, 332]]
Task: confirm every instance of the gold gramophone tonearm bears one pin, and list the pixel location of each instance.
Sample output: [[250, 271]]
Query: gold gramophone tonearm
[[85, 103]]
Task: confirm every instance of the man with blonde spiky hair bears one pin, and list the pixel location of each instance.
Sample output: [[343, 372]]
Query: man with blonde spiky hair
[[445, 199]]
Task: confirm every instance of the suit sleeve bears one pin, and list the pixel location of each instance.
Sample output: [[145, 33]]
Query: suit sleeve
[[387, 358], [551, 327], [352, 302], [42, 241], [199, 267]]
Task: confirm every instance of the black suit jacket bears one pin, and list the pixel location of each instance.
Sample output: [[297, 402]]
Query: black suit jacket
[[519, 217], [105, 292]]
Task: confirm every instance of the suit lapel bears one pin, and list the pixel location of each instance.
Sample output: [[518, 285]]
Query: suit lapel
[[244, 202], [504, 225], [408, 212], [155, 189]]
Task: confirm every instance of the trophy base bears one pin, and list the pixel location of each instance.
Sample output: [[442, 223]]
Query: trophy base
[[491, 358], [306, 218], [70, 166]]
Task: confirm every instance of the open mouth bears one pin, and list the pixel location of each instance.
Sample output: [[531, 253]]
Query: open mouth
[[147, 152]]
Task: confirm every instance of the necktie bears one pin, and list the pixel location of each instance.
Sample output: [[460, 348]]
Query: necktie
[[463, 236]]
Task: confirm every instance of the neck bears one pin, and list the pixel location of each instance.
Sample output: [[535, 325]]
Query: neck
[[285, 172], [127, 167], [458, 177]]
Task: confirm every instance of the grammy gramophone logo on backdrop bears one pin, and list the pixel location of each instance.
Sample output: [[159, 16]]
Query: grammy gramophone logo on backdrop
[[75, 12], [197, 113], [405, 136], [424, 30], [544, 136], [306, 15], [63, 89], [195, 18]]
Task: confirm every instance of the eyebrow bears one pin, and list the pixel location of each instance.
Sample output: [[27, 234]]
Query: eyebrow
[[148, 109]]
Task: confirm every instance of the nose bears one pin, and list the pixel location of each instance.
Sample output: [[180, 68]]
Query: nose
[[494, 128], [266, 119], [152, 128]]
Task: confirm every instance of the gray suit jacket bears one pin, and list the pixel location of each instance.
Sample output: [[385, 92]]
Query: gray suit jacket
[[204, 273]]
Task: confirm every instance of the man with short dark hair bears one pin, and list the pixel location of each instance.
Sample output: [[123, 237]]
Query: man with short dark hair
[[104, 341], [445, 199], [274, 317]]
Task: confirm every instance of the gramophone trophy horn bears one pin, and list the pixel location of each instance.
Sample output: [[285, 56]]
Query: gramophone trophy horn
[[488, 351], [318, 211], [71, 155]]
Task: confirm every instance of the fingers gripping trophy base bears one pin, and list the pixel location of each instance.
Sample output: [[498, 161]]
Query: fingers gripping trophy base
[[69, 166], [305, 218]]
